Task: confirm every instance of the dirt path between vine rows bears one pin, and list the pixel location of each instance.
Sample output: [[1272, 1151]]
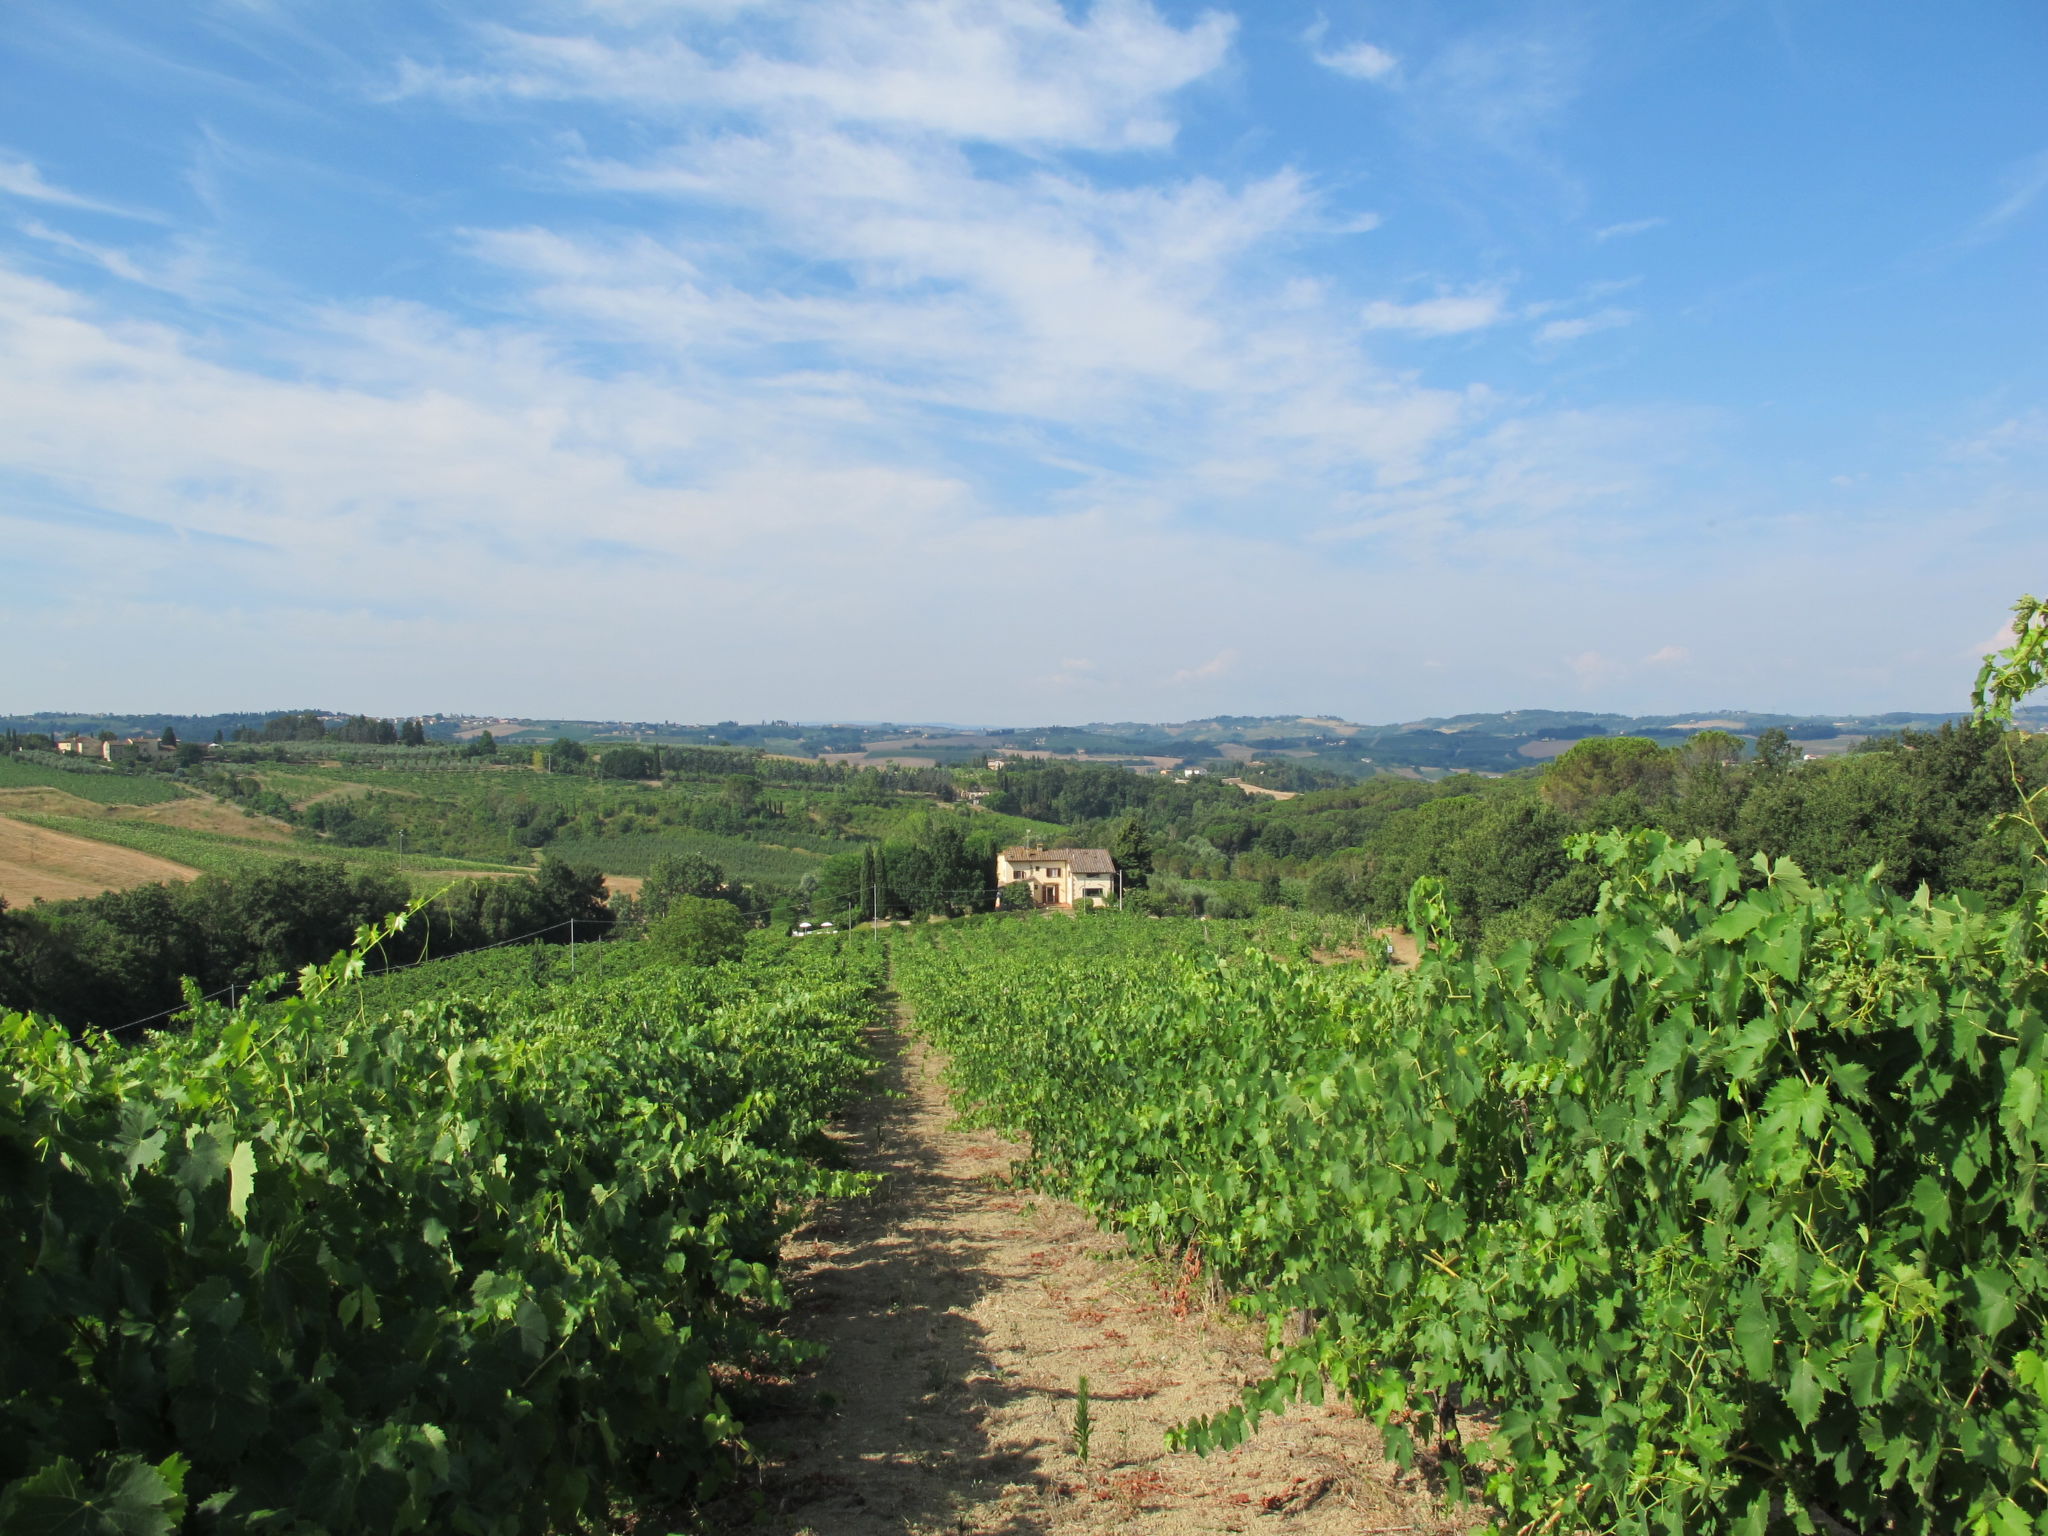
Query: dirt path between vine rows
[[960, 1314]]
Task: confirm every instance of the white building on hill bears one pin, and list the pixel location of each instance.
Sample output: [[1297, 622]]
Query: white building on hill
[[1060, 877]]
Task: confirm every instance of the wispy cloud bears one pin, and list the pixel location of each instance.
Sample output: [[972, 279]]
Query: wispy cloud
[[21, 178], [2024, 184], [1003, 71], [1445, 315], [1360, 60], [1499, 88], [2000, 639], [2024, 433], [859, 314], [1556, 332], [1214, 667]]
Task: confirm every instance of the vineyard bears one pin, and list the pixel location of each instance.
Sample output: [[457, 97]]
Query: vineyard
[[102, 786], [1720, 1206], [469, 1256]]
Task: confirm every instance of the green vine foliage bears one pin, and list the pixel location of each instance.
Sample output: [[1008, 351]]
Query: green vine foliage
[[1722, 1205], [474, 1266], [2005, 681]]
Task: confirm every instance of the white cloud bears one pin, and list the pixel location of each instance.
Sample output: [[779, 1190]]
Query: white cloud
[[2000, 639], [20, 178], [1631, 227], [1558, 331], [1214, 667], [1445, 315], [1021, 72], [853, 358], [1594, 670], [1667, 655], [2025, 433], [1498, 89], [1073, 674], [1361, 61]]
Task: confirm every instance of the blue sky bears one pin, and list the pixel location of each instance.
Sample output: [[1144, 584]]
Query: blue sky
[[1008, 361]]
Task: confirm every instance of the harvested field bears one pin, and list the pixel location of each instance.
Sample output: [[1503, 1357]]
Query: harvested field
[[197, 813], [40, 865], [1260, 789], [202, 813], [46, 802]]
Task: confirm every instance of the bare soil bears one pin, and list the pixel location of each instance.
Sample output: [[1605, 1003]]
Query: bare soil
[[1406, 951], [37, 864], [1260, 789], [960, 1313]]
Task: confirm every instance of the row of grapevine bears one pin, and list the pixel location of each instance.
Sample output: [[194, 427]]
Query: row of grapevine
[[1722, 1207], [475, 1265]]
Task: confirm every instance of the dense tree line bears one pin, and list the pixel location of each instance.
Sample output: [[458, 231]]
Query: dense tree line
[[942, 863], [1076, 793], [308, 725], [1922, 807], [1921, 804], [106, 961]]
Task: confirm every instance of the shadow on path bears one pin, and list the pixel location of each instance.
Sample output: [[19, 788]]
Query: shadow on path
[[960, 1314], [887, 1435]]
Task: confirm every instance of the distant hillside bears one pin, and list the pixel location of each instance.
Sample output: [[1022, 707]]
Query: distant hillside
[[1429, 748]]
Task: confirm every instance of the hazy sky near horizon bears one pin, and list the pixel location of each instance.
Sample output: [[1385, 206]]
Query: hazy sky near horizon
[[1008, 361]]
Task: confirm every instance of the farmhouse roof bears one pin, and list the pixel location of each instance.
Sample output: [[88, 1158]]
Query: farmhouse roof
[[1083, 861]]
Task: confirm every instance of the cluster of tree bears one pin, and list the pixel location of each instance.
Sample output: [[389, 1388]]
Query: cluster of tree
[[941, 863], [1296, 778], [878, 784], [522, 813], [108, 961], [307, 725], [1924, 807], [248, 792], [690, 877], [1077, 793]]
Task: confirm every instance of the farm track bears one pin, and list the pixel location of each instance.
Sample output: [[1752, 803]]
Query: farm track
[[959, 1314]]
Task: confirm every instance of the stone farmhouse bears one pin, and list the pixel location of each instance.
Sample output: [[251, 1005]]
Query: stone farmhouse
[[1060, 877]]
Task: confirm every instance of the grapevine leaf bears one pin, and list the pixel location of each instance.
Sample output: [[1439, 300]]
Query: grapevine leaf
[[1755, 1336], [241, 1180], [1803, 1392], [132, 1498], [2021, 1104], [1994, 1310]]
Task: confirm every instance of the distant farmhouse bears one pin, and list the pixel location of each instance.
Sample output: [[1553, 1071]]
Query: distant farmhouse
[[1060, 877], [149, 747]]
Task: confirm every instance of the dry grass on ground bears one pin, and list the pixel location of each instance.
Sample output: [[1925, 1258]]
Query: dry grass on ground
[[961, 1313], [36, 864], [197, 813]]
